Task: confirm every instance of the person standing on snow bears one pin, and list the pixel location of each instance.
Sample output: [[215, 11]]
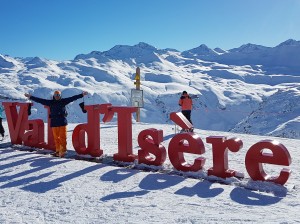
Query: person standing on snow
[[186, 104], [58, 120], [1, 126]]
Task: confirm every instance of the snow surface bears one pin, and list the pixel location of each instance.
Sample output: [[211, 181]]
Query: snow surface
[[38, 188]]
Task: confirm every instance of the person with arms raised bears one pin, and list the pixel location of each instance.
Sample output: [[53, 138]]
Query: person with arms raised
[[58, 118]]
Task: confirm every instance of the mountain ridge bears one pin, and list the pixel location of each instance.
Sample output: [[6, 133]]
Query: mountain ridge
[[227, 93]]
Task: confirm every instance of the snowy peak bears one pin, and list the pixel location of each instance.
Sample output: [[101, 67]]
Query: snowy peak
[[139, 53], [121, 51], [289, 42], [248, 48], [202, 50], [282, 59], [5, 62], [36, 62], [285, 55], [145, 46]]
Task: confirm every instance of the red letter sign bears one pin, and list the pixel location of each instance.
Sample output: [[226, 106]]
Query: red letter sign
[[279, 156], [124, 134], [17, 122], [92, 129], [189, 143], [34, 137], [149, 140], [220, 148]]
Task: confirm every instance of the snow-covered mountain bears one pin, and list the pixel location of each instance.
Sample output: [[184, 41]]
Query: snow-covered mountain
[[283, 58], [250, 89], [280, 107]]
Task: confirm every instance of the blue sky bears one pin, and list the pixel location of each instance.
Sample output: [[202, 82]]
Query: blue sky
[[62, 29]]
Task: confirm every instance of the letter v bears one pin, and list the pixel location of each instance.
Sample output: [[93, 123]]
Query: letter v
[[16, 121]]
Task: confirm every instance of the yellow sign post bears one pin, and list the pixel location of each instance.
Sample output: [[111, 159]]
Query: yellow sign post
[[138, 87], [138, 78]]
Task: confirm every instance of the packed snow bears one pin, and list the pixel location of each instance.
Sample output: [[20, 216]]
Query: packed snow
[[38, 188]]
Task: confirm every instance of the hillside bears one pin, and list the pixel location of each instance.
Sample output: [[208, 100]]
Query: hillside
[[251, 89]]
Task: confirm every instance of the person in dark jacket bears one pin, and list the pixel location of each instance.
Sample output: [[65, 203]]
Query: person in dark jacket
[[58, 118], [1, 126]]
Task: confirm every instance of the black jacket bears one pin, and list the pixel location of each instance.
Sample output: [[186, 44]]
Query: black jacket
[[58, 112]]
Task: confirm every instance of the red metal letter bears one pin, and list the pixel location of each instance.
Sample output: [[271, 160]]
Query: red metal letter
[[220, 148], [106, 109], [149, 140], [124, 134], [189, 143], [17, 122], [179, 119], [92, 129], [34, 137], [279, 156]]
